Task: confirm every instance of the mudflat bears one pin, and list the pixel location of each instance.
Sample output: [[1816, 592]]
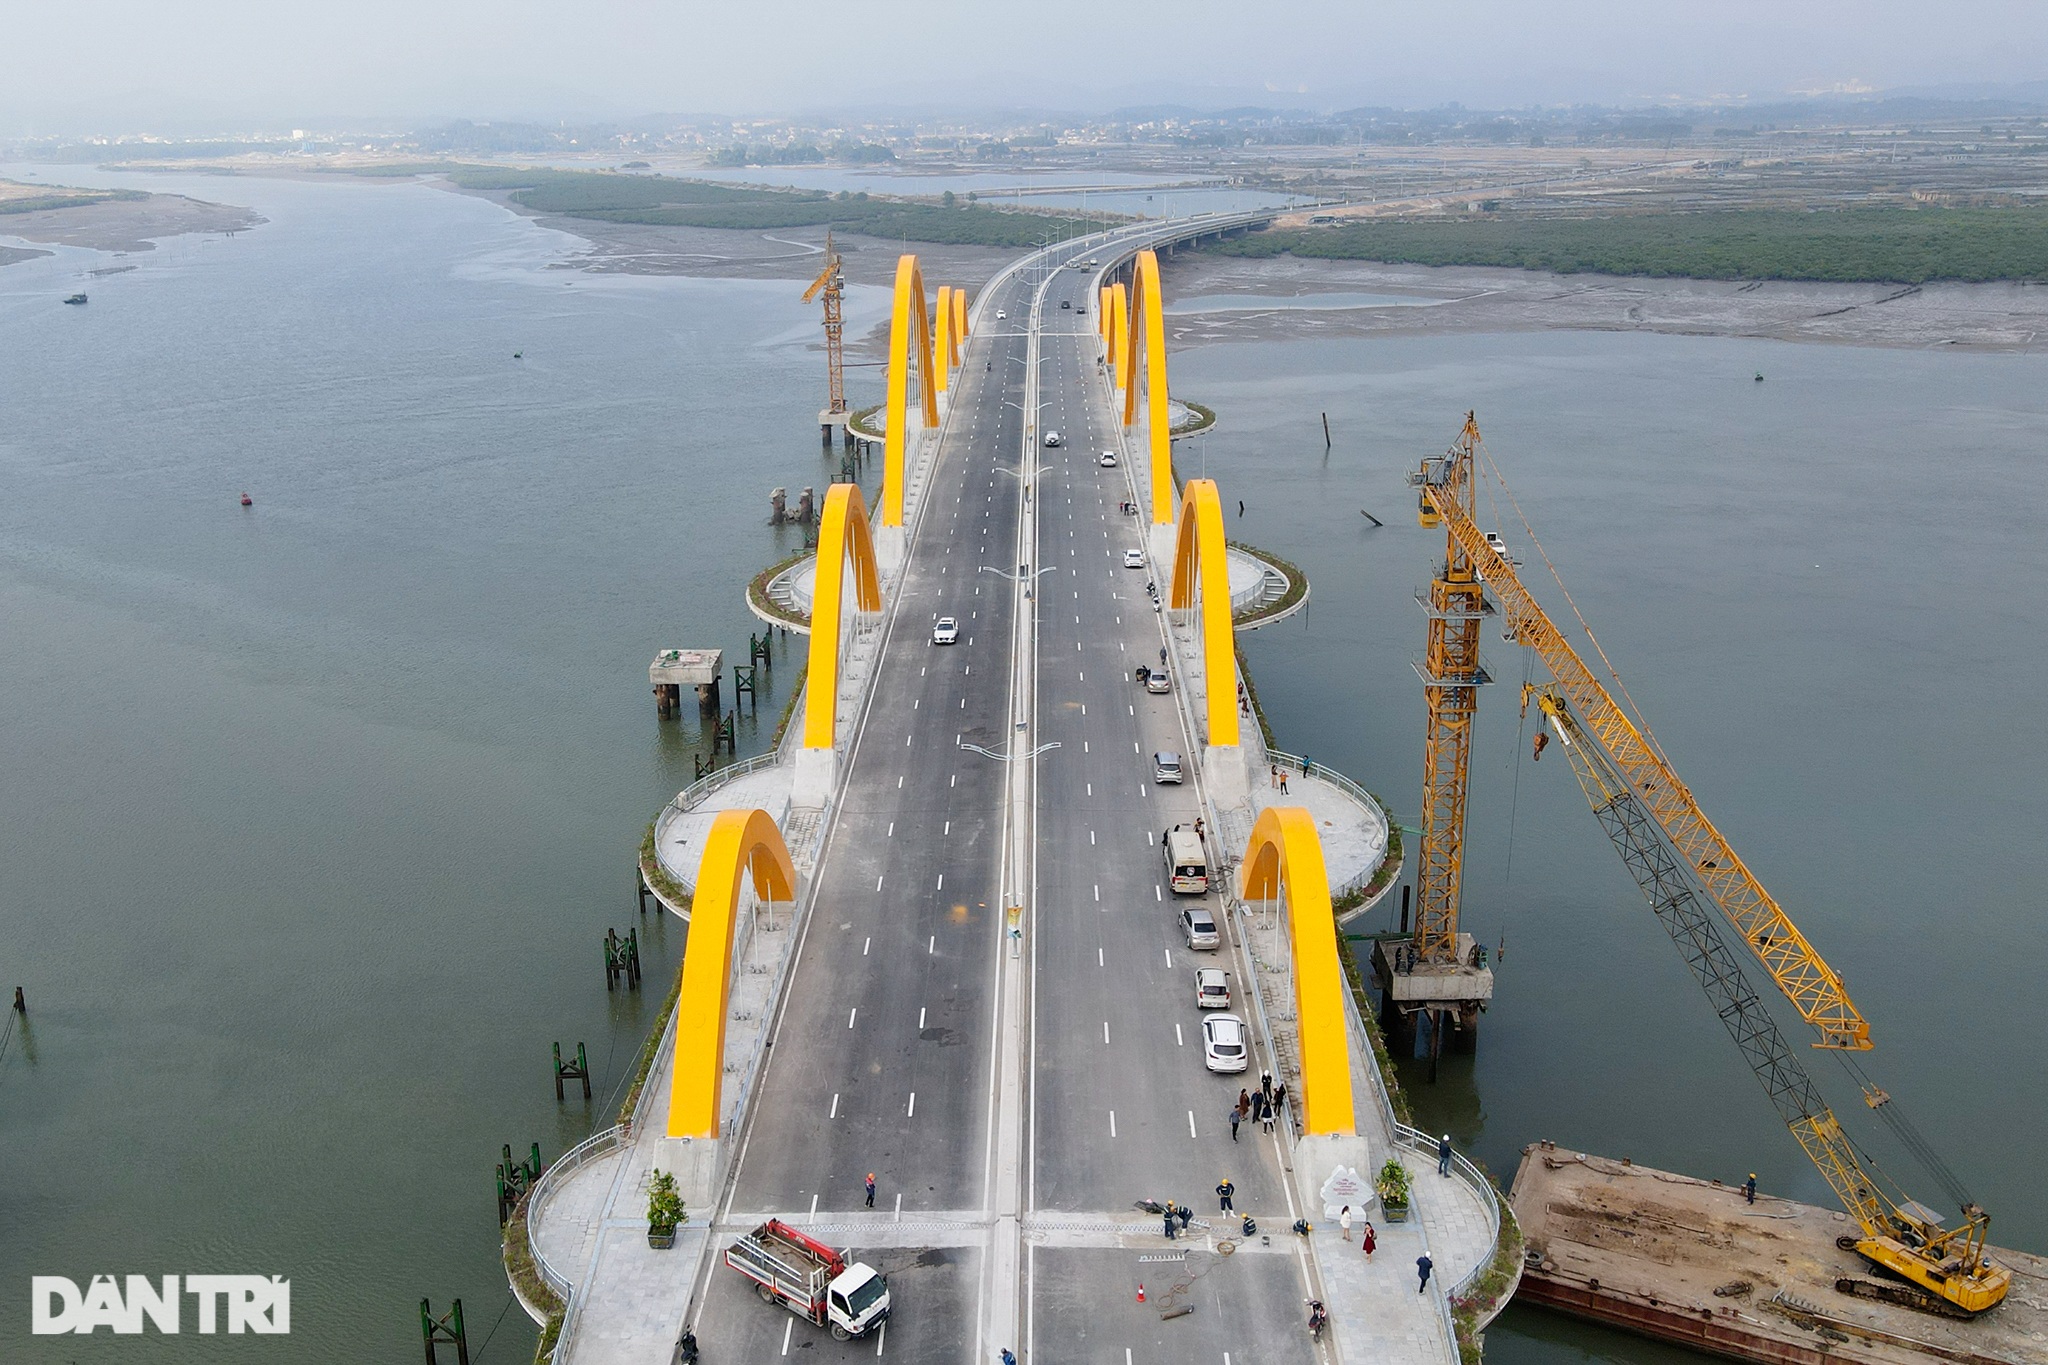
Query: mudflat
[[1450, 299], [121, 224]]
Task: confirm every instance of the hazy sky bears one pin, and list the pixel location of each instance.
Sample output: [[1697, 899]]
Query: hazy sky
[[66, 65]]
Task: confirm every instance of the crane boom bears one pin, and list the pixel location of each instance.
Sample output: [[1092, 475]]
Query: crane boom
[[1812, 986], [832, 283], [1674, 851], [1948, 1266]]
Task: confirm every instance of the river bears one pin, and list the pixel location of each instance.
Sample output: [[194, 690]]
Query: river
[[317, 811]]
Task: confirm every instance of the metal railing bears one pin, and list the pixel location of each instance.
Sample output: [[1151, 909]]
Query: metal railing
[[584, 1152], [689, 796], [1463, 1168], [1350, 789]]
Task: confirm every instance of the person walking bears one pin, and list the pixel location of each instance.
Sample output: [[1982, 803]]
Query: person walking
[[1423, 1265], [1236, 1117], [1749, 1189], [1266, 1113], [1368, 1240], [1273, 776], [1244, 1101], [1443, 1155], [1344, 1221], [871, 1189], [1224, 1191], [1283, 782], [1279, 1096], [1266, 1085]]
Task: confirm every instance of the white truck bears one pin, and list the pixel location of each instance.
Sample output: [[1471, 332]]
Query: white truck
[[811, 1280]]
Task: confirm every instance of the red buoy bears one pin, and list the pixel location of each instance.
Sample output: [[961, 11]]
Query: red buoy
[[248, 501]]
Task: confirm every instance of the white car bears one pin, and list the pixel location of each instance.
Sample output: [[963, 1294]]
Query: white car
[[1001, 316], [1212, 989], [1224, 1043], [1159, 680], [1198, 927], [1134, 559], [1052, 438], [1107, 460], [945, 631]]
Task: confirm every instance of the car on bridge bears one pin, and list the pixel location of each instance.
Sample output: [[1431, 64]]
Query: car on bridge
[[1166, 767], [1066, 303], [1223, 1043], [1001, 316], [1107, 459], [1134, 559], [1052, 438], [945, 631], [1158, 680], [1212, 989], [1198, 927]]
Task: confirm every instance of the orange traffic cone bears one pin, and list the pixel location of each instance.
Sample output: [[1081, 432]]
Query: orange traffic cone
[[1141, 1293]]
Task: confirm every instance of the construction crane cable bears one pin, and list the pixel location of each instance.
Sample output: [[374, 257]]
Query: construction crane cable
[[1636, 712], [1908, 1134]]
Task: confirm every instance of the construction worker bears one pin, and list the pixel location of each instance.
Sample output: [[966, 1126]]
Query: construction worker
[[1749, 1189], [1223, 1192]]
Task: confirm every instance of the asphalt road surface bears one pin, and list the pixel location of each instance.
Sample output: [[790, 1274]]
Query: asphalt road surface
[[884, 1056]]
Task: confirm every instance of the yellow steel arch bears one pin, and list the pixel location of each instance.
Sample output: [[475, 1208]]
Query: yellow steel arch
[[959, 317], [1199, 549], [910, 343], [1116, 324], [1147, 315], [945, 345], [1285, 854], [741, 842], [842, 534]]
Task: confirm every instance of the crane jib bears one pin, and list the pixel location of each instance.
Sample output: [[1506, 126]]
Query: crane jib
[[1813, 987]]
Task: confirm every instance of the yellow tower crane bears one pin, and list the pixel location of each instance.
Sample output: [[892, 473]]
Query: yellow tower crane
[[831, 282], [1677, 856]]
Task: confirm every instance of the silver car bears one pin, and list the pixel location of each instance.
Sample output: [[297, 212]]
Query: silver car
[[1198, 927]]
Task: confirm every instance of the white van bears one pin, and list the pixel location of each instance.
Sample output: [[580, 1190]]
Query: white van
[[1165, 767], [1187, 862]]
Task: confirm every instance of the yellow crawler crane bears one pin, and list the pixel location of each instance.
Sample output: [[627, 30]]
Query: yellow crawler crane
[[1675, 854]]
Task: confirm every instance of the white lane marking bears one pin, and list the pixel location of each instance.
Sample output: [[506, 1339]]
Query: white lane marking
[[1084, 746], [1084, 676], [1112, 1133], [892, 829], [914, 701], [833, 1115], [948, 829], [1119, 649], [952, 781], [866, 944], [878, 881], [1105, 1033], [882, 1332], [1169, 958], [963, 704], [912, 1113], [1191, 1123], [906, 741], [1142, 791], [1091, 838], [920, 1019], [1148, 838], [899, 1204], [1178, 1040], [1098, 893], [1157, 894], [942, 883], [851, 1014], [1098, 958], [792, 1322], [1091, 788], [1132, 709], [1135, 749], [899, 782], [1084, 708], [920, 670]]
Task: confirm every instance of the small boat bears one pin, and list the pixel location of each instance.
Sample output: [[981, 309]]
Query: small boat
[[1759, 376], [248, 501], [76, 298]]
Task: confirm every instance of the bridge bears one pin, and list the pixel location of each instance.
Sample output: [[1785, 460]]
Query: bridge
[[932, 938]]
